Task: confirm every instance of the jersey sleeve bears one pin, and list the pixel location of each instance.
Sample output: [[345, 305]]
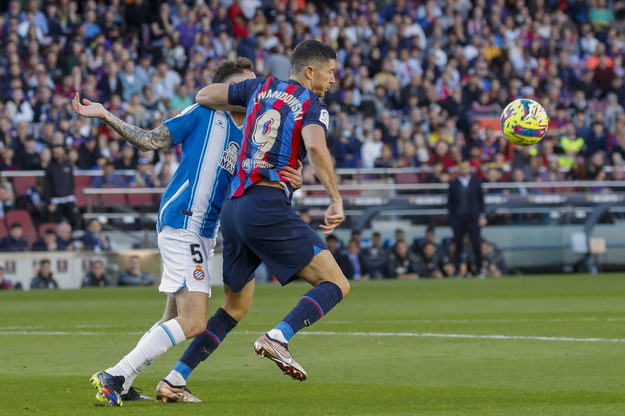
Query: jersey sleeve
[[241, 92], [181, 126], [317, 114]]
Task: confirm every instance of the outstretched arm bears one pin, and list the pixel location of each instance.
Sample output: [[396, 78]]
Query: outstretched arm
[[215, 96], [158, 138]]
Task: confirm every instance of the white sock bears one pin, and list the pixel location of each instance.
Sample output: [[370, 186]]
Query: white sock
[[131, 378], [151, 346], [176, 379], [277, 335]]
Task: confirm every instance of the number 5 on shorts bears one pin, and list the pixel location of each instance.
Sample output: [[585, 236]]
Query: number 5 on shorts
[[196, 253]]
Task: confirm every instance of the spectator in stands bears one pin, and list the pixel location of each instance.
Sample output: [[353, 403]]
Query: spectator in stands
[[386, 159], [338, 252], [346, 149], [96, 277], [65, 241], [48, 242], [372, 148], [277, 64], [7, 159], [7, 200], [88, 153], [146, 176], [94, 239], [109, 177], [44, 278], [493, 264], [430, 262], [354, 264], [134, 276], [28, 158], [403, 264], [58, 188], [399, 237], [465, 201], [15, 241], [429, 237], [448, 262], [128, 160], [4, 283], [375, 258]]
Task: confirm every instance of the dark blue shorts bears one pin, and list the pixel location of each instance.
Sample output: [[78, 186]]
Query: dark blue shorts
[[262, 226]]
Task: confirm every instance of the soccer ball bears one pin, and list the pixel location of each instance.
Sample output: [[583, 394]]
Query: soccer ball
[[524, 122]]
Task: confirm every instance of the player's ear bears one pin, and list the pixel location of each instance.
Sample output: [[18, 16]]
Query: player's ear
[[308, 72]]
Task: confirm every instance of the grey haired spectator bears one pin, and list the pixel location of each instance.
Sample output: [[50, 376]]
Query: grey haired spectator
[[93, 239]]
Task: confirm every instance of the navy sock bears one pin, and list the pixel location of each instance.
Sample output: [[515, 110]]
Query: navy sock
[[312, 306], [204, 344]]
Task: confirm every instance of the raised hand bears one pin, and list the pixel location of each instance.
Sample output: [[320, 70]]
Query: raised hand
[[88, 109]]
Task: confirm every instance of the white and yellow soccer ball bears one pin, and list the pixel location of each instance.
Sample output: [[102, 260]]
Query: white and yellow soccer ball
[[524, 122]]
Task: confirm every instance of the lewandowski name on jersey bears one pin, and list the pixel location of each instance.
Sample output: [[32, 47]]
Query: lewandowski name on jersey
[[286, 98]]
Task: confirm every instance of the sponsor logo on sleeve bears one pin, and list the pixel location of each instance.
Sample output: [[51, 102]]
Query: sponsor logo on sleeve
[[324, 117]]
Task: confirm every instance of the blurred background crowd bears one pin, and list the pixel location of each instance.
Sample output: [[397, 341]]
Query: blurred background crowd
[[420, 83], [415, 77]]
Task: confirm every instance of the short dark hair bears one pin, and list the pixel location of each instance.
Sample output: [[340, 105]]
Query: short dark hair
[[227, 69], [310, 52]]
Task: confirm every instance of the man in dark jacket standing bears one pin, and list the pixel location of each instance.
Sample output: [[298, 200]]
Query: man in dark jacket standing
[[465, 202], [58, 189]]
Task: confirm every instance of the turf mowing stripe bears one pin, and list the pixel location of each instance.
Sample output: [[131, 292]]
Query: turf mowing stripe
[[416, 321], [366, 334]]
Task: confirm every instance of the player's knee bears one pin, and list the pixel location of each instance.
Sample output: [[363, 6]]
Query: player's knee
[[236, 313], [345, 288], [344, 285]]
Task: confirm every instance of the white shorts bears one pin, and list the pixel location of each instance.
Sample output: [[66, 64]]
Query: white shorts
[[187, 260]]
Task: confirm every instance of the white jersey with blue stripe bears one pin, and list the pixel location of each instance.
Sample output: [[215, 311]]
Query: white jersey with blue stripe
[[210, 144]]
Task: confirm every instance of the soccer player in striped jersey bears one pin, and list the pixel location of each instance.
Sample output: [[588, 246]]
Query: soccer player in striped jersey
[[188, 220], [284, 122]]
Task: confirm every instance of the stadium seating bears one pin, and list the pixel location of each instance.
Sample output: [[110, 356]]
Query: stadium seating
[[113, 200], [45, 226], [3, 229], [22, 217], [141, 201], [21, 184], [81, 182]]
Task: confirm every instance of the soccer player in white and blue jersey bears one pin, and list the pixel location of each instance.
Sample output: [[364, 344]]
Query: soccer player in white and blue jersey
[[188, 221]]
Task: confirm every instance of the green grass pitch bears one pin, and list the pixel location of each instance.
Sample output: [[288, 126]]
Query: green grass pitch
[[539, 345]]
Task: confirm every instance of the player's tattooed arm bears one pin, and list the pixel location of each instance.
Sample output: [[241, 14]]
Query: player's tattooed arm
[[158, 138]]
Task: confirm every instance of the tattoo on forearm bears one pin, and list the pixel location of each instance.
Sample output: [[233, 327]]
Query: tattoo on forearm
[[158, 138]]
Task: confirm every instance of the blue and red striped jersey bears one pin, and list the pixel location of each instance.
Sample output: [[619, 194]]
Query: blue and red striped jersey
[[277, 111]]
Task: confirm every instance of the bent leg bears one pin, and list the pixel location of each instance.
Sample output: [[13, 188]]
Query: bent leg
[[236, 306], [330, 287], [165, 335]]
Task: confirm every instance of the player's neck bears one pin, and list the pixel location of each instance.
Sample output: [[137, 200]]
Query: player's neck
[[238, 118], [306, 83]]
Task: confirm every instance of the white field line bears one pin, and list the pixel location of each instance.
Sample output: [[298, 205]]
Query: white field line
[[365, 334], [331, 322], [482, 321]]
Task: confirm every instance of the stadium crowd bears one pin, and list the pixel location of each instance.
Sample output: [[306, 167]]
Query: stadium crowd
[[419, 83]]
